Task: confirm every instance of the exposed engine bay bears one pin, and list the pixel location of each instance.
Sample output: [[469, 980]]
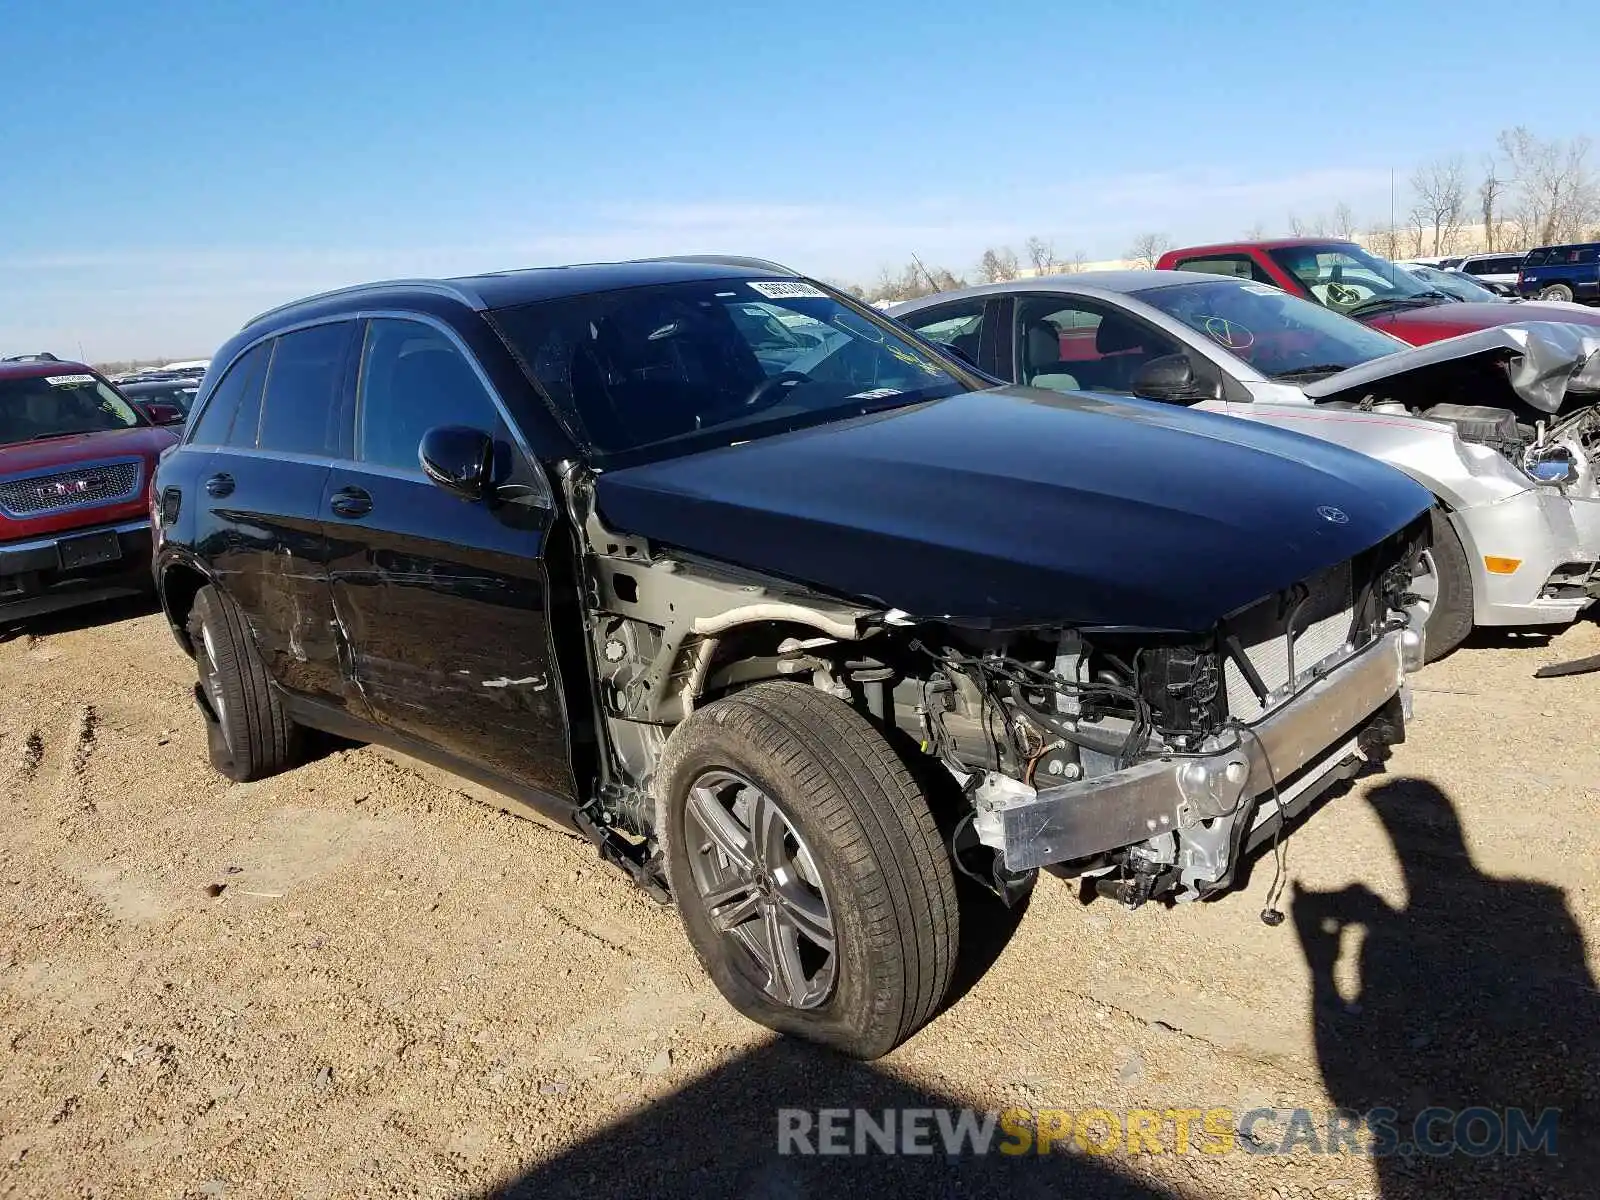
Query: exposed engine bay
[[1539, 373], [1139, 759]]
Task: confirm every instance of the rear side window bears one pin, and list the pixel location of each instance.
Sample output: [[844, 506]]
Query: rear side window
[[958, 325], [413, 378], [230, 417], [1588, 254], [301, 411], [1535, 258], [1236, 266]]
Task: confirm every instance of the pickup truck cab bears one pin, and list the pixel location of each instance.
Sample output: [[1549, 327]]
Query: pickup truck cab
[[1346, 278], [1562, 273], [76, 459]]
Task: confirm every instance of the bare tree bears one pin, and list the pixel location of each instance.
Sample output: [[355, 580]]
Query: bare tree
[[1316, 227], [1148, 248], [1440, 189], [1556, 195], [1042, 255], [1256, 232], [913, 280], [1385, 242], [1490, 192], [997, 266], [1344, 222], [1079, 261]]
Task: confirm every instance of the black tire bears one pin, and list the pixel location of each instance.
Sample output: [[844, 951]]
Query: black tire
[[1555, 291], [1451, 619], [884, 870], [250, 736]]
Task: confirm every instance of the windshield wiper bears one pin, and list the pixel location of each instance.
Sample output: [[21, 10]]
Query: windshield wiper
[[45, 437], [1425, 300], [1317, 369]]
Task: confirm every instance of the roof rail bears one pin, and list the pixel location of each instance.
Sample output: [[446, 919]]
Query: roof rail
[[437, 286], [41, 356], [725, 260]]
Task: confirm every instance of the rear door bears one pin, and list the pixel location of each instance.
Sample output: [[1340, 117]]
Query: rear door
[[272, 434], [444, 600]]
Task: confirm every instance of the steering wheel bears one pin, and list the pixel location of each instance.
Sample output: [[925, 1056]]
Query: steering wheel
[[765, 394], [1342, 294]]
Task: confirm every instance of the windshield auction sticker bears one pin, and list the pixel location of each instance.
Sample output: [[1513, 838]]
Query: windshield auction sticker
[[787, 289], [68, 380]]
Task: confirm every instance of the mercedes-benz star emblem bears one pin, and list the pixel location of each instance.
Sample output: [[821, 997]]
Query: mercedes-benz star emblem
[[1329, 513]]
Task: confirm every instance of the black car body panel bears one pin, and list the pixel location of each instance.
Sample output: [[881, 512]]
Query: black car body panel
[[1017, 507]]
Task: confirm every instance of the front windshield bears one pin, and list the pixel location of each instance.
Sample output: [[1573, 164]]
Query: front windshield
[[651, 371], [1454, 284], [1344, 277], [50, 406], [1282, 336]]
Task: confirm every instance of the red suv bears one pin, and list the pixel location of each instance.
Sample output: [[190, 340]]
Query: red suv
[[1344, 277], [76, 460]]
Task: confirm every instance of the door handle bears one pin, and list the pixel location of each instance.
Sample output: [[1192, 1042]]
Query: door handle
[[351, 502], [220, 485]]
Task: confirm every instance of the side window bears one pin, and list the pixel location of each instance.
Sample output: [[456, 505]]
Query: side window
[[413, 378], [1070, 345], [958, 325], [301, 410], [231, 413], [1588, 254], [1535, 258], [1235, 266]]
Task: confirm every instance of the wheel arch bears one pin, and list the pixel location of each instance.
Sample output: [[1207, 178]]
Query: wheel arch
[[180, 582]]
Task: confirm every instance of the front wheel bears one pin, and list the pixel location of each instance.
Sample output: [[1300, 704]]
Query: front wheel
[[808, 869], [1444, 584], [1555, 291], [250, 735]]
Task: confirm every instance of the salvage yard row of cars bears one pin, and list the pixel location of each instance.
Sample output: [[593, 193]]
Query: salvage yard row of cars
[[826, 624]]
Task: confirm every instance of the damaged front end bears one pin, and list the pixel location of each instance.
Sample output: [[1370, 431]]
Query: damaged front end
[[1155, 763], [1151, 761], [1523, 484]]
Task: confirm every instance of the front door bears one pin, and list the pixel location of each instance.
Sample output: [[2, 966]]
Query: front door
[[444, 601]]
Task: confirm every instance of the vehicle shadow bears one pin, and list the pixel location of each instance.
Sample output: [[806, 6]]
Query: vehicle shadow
[[1474, 994], [719, 1136], [68, 620]]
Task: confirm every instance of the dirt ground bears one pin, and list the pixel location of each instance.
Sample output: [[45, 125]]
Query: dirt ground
[[358, 980]]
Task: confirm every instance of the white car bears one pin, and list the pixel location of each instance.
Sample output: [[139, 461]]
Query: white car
[[1517, 521], [1492, 268]]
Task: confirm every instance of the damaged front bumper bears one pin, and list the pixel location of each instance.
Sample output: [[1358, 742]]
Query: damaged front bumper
[[1193, 815], [1553, 539]]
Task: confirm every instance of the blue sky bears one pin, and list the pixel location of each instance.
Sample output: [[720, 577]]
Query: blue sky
[[168, 169]]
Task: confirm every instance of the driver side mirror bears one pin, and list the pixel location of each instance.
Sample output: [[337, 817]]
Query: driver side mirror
[[1171, 379], [160, 412], [458, 459]]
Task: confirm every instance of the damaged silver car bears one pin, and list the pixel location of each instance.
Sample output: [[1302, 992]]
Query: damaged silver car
[[1495, 423]]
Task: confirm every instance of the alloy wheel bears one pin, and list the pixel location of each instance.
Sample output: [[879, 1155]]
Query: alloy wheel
[[760, 886]]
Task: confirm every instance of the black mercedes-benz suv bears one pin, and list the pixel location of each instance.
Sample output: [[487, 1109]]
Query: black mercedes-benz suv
[[785, 608]]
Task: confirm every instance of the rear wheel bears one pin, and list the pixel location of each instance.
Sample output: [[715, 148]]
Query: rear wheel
[[250, 736], [1445, 586], [1555, 291], [812, 880]]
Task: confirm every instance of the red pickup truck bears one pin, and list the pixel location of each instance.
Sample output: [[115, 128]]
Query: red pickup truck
[[76, 461], [1344, 277]]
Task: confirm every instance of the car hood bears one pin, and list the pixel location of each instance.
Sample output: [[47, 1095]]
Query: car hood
[[1018, 507], [1422, 325], [142, 441], [1543, 362]]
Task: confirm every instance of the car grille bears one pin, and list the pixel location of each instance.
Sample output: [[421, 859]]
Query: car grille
[[1323, 623], [98, 483]]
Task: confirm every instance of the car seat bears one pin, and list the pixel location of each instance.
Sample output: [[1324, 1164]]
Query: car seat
[[1041, 359]]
